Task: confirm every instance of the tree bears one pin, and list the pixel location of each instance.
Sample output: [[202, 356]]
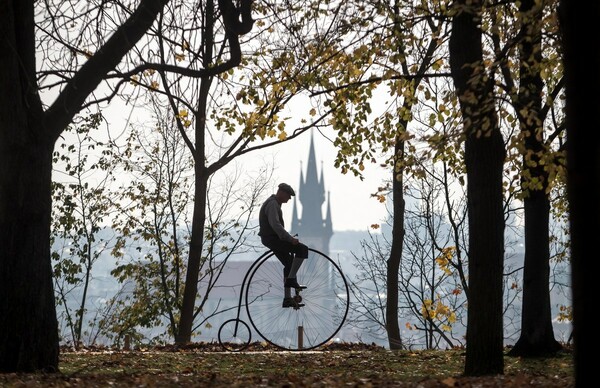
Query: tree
[[484, 157], [28, 131], [539, 166], [397, 163], [433, 275], [435, 247], [80, 207], [235, 113], [583, 173], [150, 251], [392, 49], [154, 226]]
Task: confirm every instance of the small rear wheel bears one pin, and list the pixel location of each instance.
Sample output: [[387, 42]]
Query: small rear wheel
[[234, 335]]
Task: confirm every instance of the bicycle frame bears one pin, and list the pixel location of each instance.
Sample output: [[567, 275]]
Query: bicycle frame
[[244, 290]]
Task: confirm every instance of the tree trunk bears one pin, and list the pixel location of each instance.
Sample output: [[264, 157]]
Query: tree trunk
[[537, 334], [184, 332], [393, 264], [583, 171], [28, 325], [202, 173], [484, 156], [234, 28]]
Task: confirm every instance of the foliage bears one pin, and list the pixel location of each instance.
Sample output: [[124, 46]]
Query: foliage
[[80, 206], [432, 275], [432, 301], [153, 207], [340, 66], [154, 224]]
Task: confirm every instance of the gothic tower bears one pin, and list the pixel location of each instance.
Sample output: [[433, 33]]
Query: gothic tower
[[313, 230]]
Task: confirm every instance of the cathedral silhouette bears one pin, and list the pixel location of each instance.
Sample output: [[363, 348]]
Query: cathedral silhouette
[[312, 228]]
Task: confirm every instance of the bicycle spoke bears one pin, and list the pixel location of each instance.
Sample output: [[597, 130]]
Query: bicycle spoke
[[325, 303]]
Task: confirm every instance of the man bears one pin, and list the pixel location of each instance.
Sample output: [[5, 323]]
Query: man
[[274, 236]]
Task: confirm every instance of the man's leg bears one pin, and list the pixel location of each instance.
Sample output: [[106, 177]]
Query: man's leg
[[301, 253], [296, 263], [288, 300], [285, 259]]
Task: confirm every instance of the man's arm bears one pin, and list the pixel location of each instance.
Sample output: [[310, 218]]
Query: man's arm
[[273, 217]]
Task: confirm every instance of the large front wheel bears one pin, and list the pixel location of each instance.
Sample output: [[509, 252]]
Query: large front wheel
[[323, 305]]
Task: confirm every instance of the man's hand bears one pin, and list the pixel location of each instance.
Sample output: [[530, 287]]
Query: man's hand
[[295, 241]]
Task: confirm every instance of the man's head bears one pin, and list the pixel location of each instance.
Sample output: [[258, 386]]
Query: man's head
[[285, 192]]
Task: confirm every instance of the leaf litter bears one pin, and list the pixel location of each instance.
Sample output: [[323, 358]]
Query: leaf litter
[[352, 364]]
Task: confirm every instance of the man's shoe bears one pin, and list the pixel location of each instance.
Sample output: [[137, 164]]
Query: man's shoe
[[290, 302], [293, 283]]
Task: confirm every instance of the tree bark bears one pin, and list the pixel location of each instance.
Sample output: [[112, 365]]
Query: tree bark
[[393, 264], [583, 170], [537, 334], [28, 324], [484, 156], [184, 333], [190, 293]]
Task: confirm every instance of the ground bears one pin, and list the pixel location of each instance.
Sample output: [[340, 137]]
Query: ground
[[356, 365]]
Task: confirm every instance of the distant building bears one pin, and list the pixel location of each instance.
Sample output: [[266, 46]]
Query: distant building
[[313, 229]]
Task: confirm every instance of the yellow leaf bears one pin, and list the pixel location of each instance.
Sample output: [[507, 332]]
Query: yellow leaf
[[452, 318]]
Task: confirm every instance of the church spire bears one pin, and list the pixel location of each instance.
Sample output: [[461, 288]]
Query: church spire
[[328, 223], [311, 227]]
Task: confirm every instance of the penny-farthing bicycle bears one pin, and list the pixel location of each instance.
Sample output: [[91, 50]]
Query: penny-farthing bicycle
[[321, 311]]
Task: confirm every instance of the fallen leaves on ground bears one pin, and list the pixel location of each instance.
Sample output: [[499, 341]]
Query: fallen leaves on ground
[[357, 365]]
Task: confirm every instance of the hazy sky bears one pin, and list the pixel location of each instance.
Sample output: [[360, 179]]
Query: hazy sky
[[352, 206]]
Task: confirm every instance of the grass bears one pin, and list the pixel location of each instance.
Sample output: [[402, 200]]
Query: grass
[[344, 366]]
